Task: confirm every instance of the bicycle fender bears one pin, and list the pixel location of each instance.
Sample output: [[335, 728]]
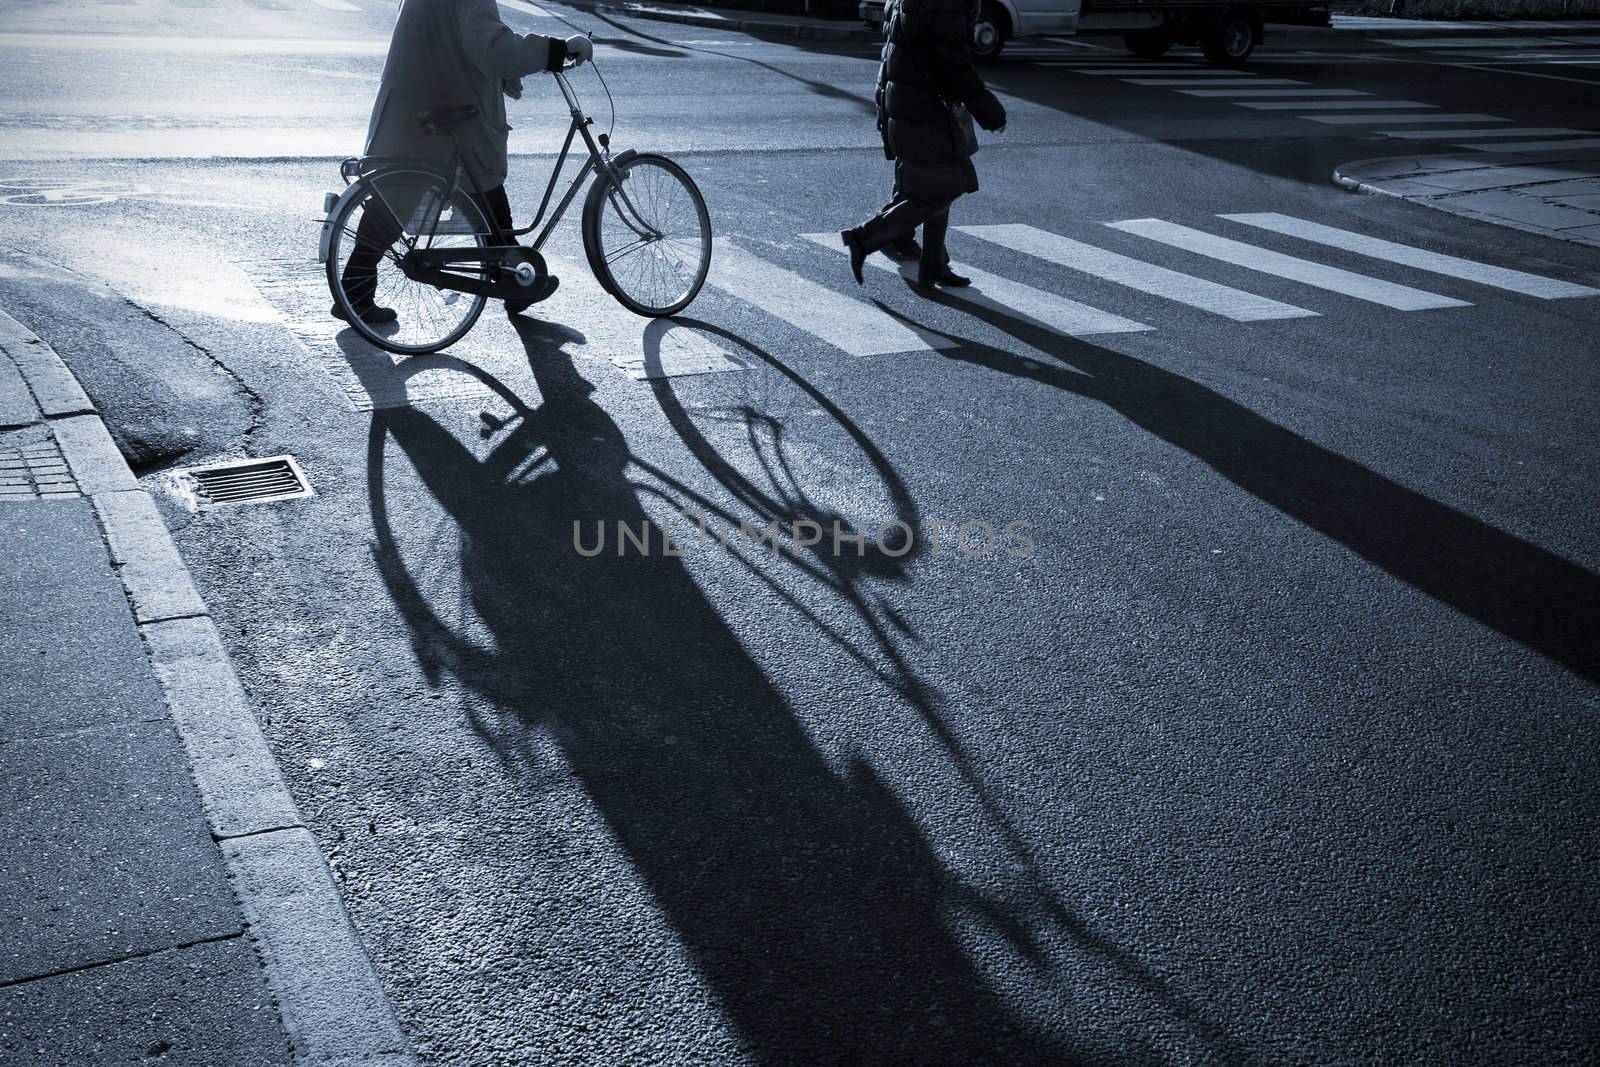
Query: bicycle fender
[[595, 187], [325, 241]]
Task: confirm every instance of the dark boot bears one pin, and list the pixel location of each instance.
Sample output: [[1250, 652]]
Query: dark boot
[[858, 252], [372, 314], [517, 307], [928, 277], [905, 249]]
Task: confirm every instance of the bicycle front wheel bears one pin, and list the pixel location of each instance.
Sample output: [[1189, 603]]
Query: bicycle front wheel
[[395, 210], [648, 235]]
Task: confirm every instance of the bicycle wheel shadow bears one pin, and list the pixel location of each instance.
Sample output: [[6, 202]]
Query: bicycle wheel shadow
[[809, 897]]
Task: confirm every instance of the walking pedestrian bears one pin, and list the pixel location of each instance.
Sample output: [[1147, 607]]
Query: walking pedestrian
[[449, 55], [928, 95]]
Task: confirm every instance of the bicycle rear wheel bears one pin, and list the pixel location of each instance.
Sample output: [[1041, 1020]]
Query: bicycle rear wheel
[[647, 234], [396, 209]]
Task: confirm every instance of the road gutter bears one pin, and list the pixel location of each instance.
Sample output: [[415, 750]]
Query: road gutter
[[329, 999]]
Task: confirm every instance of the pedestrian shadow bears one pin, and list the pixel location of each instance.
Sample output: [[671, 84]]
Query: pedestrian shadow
[[1510, 585], [811, 901]]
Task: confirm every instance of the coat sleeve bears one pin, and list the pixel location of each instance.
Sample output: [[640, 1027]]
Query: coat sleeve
[[952, 61], [497, 51]]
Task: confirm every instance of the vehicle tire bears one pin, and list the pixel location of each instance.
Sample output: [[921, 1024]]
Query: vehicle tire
[[404, 201], [1148, 44], [1231, 39], [990, 32], [656, 273]]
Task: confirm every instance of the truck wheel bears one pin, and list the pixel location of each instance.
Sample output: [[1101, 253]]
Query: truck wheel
[[1148, 44], [1231, 40], [990, 32]]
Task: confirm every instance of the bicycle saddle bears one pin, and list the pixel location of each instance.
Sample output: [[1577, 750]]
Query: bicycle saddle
[[446, 119]]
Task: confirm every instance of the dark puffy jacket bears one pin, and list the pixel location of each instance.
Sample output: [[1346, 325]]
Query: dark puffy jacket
[[927, 60]]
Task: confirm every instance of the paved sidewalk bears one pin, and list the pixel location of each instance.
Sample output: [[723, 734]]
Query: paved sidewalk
[[159, 899], [1556, 194]]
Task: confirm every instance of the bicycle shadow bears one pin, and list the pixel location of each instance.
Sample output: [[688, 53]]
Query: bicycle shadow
[[809, 897], [1510, 585]]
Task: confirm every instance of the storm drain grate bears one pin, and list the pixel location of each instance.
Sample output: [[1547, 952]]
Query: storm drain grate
[[249, 481]]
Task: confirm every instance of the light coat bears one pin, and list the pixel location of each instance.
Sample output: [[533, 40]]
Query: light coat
[[447, 53]]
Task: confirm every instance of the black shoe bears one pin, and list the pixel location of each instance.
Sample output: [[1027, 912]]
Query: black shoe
[[905, 249], [517, 307], [858, 253], [372, 314], [931, 276]]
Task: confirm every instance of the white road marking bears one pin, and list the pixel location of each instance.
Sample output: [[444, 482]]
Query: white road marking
[[1235, 304], [1304, 271], [1178, 82], [335, 5], [1537, 146], [854, 326], [1333, 105], [1403, 120], [1502, 131], [1515, 281], [1253, 92], [1054, 313]]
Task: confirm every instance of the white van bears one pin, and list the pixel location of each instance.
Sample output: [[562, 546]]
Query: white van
[[1227, 33]]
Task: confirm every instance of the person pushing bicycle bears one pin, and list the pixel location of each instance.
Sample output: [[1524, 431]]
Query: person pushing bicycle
[[450, 56]]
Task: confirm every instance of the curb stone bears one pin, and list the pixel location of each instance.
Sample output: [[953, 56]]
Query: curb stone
[[1402, 185], [329, 999]]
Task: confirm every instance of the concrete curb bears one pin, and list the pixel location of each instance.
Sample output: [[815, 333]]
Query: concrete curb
[[1348, 176], [329, 999]]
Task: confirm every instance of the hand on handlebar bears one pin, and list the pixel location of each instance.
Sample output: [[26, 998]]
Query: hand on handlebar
[[579, 50]]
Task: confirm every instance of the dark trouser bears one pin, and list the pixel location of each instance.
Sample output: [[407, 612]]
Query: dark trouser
[[900, 220], [378, 229]]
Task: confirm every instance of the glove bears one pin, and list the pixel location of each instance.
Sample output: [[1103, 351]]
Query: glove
[[988, 112], [579, 50]]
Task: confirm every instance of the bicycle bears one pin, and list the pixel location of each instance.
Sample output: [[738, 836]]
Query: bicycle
[[439, 256]]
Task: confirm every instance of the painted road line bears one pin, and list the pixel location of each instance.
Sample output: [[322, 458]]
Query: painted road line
[[1014, 299], [854, 326], [639, 347], [1537, 146], [1253, 92], [1399, 120], [1235, 304], [1467, 270], [1332, 105], [1304, 271], [335, 5], [526, 8], [1502, 131], [1183, 81]]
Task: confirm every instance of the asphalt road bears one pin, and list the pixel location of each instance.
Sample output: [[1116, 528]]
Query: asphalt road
[[1277, 747]]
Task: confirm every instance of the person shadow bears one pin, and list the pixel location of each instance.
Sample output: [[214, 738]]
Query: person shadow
[[810, 898], [1506, 583]]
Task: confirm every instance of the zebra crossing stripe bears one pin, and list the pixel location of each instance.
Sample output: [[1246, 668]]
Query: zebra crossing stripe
[[639, 347], [1235, 304], [1537, 146], [852, 325], [1014, 299], [1333, 105], [1186, 81], [335, 5], [1400, 120], [1468, 270], [1457, 135], [1304, 271], [1252, 92]]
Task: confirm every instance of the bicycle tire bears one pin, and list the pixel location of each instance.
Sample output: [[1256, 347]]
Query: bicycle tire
[[658, 179], [413, 333]]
